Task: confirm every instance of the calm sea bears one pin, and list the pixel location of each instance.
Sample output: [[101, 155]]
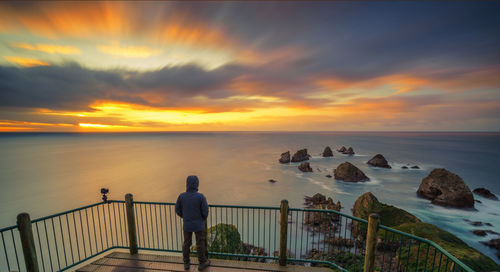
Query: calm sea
[[44, 173]]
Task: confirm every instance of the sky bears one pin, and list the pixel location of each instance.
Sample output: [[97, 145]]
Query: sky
[[250, 66]]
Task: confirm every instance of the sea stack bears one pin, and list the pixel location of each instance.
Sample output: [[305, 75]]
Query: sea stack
[[445, 188], [485, 193], [349, 151], [301, 155], [379, 161], [327, 152], [349, 173], [342, 149], [305, 167], [285, 157]]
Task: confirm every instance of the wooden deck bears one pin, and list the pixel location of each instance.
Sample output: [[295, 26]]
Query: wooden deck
[[124, 262]]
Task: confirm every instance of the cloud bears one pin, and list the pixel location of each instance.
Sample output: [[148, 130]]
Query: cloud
[[131, 51], [49, 48], [26, 62]]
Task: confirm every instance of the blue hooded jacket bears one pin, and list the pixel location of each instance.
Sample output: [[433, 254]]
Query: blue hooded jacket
[[192, 206]]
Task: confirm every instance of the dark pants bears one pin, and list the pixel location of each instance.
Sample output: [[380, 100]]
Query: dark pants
[[200, 246]]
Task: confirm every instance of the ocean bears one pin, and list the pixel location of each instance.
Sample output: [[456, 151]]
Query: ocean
[[45, 173]]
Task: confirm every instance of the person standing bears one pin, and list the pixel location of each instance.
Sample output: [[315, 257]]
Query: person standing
[[192, 207]]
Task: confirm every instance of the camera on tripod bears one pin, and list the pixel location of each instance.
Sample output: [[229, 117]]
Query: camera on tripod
[[104, 191]]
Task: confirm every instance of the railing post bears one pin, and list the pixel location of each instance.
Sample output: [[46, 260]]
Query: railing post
[[26, 233], [371, 243], [283, 231], [132, 232]]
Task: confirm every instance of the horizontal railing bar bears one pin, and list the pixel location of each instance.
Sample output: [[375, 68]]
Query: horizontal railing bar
[[8, 228], [65, 212], [438, 247]]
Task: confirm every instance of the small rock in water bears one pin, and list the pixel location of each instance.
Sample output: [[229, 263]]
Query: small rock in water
[[493, 243], [476, 223], [319, 170], [328, 152], [328, 176], [379, 161], [301, 155], [305, 167], [350, 173], [404, 167], [349, 151], [285, 157], [272, 180], [479, 232], [478, 201], [415, 167], [342, 149], [485, 193], [488, 224]]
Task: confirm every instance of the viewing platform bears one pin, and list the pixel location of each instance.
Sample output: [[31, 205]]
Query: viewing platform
[[117, 235], [126, 262]]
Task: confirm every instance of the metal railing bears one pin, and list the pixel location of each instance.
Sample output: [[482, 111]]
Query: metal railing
[[315, 237]]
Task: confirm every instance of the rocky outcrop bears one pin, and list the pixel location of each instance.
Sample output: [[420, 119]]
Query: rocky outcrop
[[485, 193], [415, 167], [300, 155], [445, 188], [402, 220], [318, 220], [495, 244], [391, 216], [327, 152], [479, 232], [341, 149], [404, 167], [272, 180], [305, 167], [350, 173], [349, 151], [285, 157], [379, 161]]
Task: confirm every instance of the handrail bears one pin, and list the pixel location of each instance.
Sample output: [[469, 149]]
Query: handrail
[[317, 236]]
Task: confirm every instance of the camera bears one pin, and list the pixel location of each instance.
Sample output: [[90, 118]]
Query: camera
[[104, 191]]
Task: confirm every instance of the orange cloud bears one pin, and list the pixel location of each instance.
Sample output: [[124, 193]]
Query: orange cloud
[[9, 125], [401, 83], [49, 48], [26, 62], [127, 51]]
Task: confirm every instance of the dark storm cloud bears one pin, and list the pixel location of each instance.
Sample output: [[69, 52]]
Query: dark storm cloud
[[73, 87]]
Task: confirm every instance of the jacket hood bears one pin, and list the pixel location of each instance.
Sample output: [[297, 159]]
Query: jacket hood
[[192, 184]]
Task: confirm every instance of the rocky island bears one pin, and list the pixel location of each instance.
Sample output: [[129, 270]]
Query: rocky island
[[350, 173], [445, 188], [301, 155], [379, 161]]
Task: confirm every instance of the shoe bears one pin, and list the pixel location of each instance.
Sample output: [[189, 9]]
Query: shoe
[[186, 266], [204, 265]]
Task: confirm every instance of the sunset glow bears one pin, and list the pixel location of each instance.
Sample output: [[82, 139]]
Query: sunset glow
[[169, 66]]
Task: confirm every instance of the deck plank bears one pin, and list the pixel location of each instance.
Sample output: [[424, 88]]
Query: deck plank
[[121, 261]]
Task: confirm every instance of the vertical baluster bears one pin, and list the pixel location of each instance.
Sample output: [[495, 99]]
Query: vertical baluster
[[48, 244], [55, 243], [100, 229], [69, 236], [5, 250], [76, 236], [63, 242], [105, 225], [93, 225], [39, 244], [88, 231]]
